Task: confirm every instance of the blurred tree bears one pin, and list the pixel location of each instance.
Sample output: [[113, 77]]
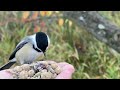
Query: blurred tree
[[99, 26]]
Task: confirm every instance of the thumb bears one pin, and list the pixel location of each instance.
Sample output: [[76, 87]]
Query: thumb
[[5, 74]]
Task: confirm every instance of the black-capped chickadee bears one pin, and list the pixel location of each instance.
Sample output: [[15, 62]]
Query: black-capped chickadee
[[29, 49]]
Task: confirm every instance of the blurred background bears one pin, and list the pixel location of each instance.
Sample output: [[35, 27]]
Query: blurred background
[[91, 58]]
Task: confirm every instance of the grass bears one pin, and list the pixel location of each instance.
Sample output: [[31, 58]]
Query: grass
[[91, 58]]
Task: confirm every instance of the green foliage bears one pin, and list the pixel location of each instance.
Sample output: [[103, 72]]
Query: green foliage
[[90, 57]]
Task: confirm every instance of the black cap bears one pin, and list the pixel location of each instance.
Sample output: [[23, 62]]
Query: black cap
[[42, 41]]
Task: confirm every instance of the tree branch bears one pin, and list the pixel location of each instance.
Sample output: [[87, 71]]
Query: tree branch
[[99, 26]]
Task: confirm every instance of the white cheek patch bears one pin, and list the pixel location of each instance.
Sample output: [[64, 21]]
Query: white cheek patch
[[48, 41], [33, 37], [34, 40]]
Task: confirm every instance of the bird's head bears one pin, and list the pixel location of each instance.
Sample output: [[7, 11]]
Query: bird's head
[[42, 41]]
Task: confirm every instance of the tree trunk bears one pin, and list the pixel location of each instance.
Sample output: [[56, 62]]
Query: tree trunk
[[99, 26]]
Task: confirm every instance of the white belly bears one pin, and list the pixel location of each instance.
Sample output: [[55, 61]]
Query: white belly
[[27, 54]]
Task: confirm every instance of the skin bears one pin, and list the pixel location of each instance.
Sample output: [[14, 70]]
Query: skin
[[67, 71]]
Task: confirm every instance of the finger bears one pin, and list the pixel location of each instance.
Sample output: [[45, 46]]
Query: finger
[[4, 74], [67, 72]]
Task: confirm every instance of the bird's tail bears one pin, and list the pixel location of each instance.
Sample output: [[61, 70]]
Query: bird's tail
[[7, 65]]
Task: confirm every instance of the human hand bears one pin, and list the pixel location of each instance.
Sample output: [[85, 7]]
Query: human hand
[[67, 71]]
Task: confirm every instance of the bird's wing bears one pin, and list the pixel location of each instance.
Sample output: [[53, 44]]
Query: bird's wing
[[19, 46], [22, 41]]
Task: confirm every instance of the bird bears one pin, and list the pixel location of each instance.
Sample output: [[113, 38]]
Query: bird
[[29, 49]]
